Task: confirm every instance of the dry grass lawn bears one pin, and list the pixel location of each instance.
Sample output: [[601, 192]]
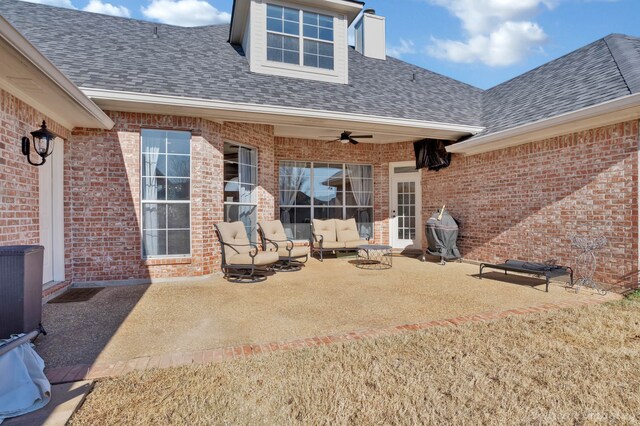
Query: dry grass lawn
[[578, 366]]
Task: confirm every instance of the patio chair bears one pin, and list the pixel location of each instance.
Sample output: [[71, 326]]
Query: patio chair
[[335, 235], [274, 239], [242, 261]]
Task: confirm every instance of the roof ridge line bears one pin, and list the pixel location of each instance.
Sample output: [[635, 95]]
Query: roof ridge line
[[616, 60], [625, 51]]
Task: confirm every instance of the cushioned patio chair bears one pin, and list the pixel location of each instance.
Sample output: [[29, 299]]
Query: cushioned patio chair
[[335, 235], [274, 239], [242, 261]]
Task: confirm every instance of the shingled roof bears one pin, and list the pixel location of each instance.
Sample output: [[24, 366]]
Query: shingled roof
[[105, 52], [601, 71]]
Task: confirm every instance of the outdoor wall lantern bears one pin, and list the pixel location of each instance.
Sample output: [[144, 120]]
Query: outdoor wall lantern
[[43, 141]]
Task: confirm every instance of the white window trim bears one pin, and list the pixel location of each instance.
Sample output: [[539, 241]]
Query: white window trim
[[344, 177], [255, 42], [255, 197], [301, 38], [142, 201]]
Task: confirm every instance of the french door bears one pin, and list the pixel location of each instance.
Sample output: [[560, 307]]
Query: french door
[[405, 205]]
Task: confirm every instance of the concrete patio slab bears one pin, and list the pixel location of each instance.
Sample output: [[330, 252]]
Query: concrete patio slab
[[324, 299], [65, 400]]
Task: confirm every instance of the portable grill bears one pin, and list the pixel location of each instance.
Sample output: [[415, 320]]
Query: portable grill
[[442, 236]]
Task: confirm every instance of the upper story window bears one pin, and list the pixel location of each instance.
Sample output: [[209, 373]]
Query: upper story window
[[300, 37]]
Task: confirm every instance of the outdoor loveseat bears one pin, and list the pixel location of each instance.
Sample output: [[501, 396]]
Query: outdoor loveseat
[[335, 235], [241, 258], [274, 239]]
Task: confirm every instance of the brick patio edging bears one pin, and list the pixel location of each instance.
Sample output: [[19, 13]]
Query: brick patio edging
[[118, 368]]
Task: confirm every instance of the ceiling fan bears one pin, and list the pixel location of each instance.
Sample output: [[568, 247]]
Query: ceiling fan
[[346, 137]]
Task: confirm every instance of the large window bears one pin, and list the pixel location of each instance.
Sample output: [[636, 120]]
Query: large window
[[166, 193], [325, 191], [240, 183], [295, 36]]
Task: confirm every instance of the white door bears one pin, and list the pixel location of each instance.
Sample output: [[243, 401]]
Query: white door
[[46, 219], [405, 205], [52, 215]]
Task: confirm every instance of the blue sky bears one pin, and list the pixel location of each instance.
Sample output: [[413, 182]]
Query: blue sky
[[480, 42]]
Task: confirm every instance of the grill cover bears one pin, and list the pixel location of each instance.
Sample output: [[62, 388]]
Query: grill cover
[[442, 236], [431, 154]]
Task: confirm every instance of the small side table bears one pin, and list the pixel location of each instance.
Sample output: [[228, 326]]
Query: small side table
[[374, 256]]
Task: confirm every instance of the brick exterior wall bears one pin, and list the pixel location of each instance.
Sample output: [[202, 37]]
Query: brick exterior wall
[[102, 190], [19, 181], [102, 200], [524, 202], [521, 202]]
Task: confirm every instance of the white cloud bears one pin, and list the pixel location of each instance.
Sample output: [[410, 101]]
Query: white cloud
[[186, 13], [406, 47], [507, 45], [499, 32], [481, 16], [97, 6], [59, 3]]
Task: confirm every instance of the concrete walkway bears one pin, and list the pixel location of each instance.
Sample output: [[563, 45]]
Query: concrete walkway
[[65, 400]]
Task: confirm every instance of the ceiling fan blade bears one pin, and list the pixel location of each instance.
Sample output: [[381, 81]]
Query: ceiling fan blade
[[335, 140], [353, 141], [363, 136]]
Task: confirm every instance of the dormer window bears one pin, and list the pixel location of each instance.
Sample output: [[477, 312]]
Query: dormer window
[[283, 34], [306, 39], [315, 48], [318, 40]]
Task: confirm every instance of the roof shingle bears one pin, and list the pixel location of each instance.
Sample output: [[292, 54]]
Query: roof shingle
[[105, 52], [585, 77]]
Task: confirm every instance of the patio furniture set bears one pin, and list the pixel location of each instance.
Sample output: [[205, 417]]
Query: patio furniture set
[[247, 261]]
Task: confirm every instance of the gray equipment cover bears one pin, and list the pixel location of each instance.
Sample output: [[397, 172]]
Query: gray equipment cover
[[442, 236]]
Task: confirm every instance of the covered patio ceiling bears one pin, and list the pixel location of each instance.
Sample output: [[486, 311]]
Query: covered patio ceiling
[[287, 121]]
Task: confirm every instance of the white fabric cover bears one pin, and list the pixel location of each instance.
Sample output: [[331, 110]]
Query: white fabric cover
[[23, 386]]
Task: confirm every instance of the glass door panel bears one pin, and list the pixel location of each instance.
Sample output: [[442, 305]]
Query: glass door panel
[[405, 209]]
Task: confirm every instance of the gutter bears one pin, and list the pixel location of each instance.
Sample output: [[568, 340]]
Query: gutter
[[238, 107], [16, 40], [518, 135]]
